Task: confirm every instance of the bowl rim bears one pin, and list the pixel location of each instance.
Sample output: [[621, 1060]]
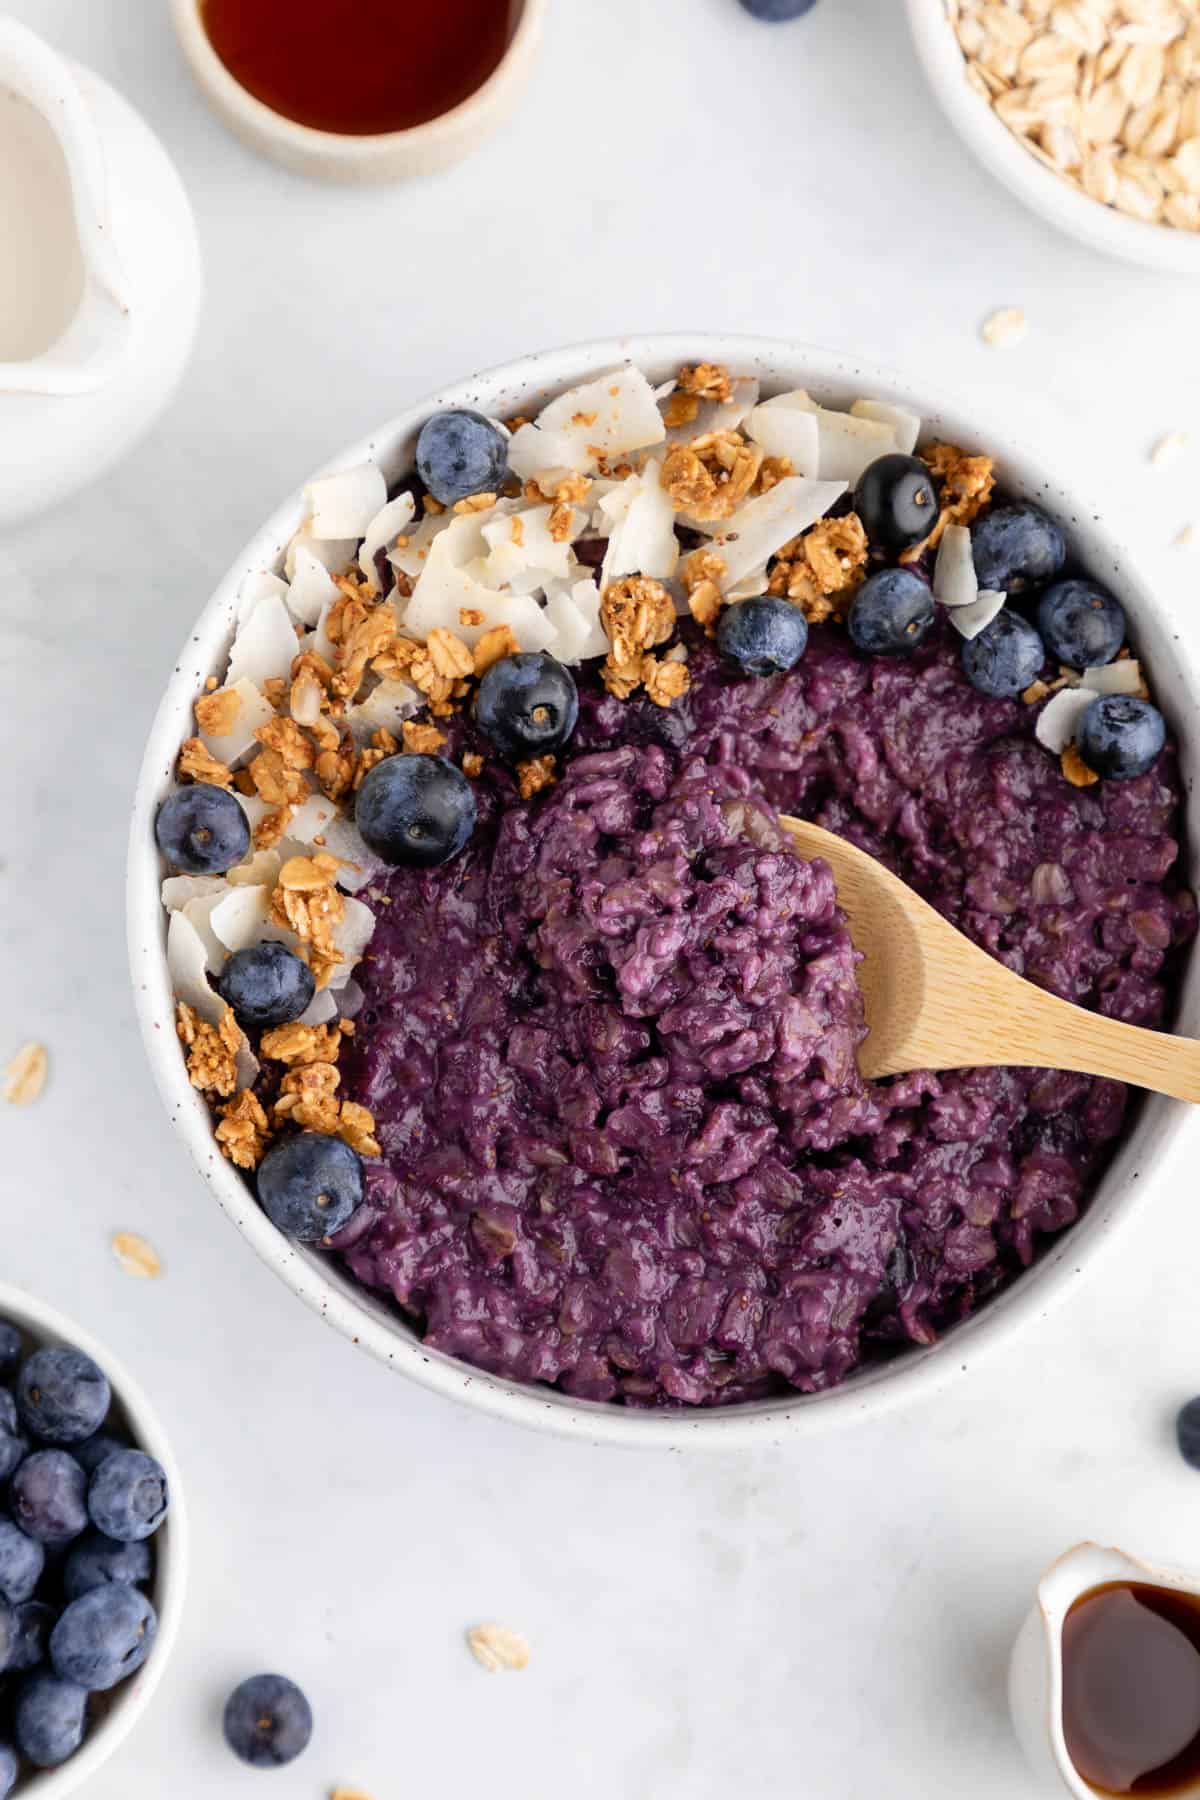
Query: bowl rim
[[39, 1320], [368, 1321], [335, 147], [1101, 227]]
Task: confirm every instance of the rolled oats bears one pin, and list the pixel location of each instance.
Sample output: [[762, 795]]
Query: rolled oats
[[25, 1076], [136, 1256], [498, 1648], [1005, 328], [534, 775]]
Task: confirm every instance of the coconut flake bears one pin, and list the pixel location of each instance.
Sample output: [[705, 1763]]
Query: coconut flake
[[955, 582], [359, 865], [610, 417], [762, 526], [262, 584], [187, 965], [248, 1066], [720, 415], [906, 426], [546, 457], [344, 505], [385, 709], [574, 611], [969, 621], [351, 936], [178, 890], [312, 588], [198, 913], [308, 822], [525, 566], [265, 646], [787, 431], [411, 558], [238, 742], [262, 867], [847, 444], [642, 538], [1121, 677], [320, 1009], [334, 554], [1060, 716], [445, 591], [387, 525], [241, 917], [255, 809]]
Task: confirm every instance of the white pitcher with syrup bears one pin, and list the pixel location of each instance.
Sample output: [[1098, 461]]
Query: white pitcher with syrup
[[99, 275]]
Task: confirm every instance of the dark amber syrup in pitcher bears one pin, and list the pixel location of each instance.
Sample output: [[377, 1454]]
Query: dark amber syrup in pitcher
[[1131, 1689], [358, 67]]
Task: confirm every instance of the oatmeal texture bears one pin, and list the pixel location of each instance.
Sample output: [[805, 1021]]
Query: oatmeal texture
[[610, 1050]]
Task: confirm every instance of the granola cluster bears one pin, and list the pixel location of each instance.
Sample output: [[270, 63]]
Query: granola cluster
[[637, 615]]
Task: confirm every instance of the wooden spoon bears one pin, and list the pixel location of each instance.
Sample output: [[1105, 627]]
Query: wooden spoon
[[935, 1000]]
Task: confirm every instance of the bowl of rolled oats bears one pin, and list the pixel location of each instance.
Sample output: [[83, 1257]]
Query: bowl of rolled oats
[[441, 848], [1087, 110]]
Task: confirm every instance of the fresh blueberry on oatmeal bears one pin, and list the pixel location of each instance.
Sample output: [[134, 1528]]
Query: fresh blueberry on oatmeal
[[460, 454], [765, 636], [202, 830], [1081, 623], [266, 984], [527, 705], [1121, 736], [892, 613], [578, 1088]]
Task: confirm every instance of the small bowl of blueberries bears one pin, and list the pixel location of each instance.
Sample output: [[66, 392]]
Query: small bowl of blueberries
[[92, 1552]]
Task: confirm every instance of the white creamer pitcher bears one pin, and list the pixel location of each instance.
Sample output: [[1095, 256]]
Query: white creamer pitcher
[[99, 275]]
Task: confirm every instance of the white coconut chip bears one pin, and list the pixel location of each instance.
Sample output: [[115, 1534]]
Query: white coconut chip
[[612, 416], [1059, 717], [385, 709], [242, 918], [179, 890], [1121, 677], [187, 965], [351, 936], [955, 582], [262, 866], [309, 821], [198, 913], [336, 554], [359, 865], [248, 1066], [344, 505], [906, 426], [318, 642], [969, 621], [574, 611], [444, 591], [265, 646], [847, 445], [321, 1009], [665, 389], [254, 808], [231, 746], [642, 538], [720, 415], [524, 567], [387, 525], [787, 431], [547, 457], [411, 558], [260, 585], [312, 588], [762, 526]]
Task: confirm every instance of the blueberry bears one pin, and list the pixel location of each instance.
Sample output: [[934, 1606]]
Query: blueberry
[[103, 1636], [49, 1497], [202, 830], [92, 1451], [11, 1349], [96, 1560], [415, 811], [22, 1560], [1120, 736], [9, 1770], [1187, 1433], [268, 1721], [34, 1623], [461, 453], [49, 1719], [14, 1445], [896, 501], [62, 1395], [527, 705], [310, 1185], [1017, 548], [1005, 658], [266, 984], [8, 1632], [891, 614], [1081, 623], [777, 12], [127, 1498], [763, 636]]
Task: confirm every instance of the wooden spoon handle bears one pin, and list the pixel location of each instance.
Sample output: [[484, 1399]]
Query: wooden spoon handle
[[1042, 1031]]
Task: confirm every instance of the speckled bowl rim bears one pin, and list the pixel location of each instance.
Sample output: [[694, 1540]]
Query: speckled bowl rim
[[986, 135], [128, 1702], [322, 1283]]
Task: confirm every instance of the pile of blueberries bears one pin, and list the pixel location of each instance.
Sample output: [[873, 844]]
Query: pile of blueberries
[[75, 1555]]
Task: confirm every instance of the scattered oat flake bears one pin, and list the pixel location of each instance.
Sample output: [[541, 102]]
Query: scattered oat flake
[[344, 1793], [497, 1648], [1169, 448], [1188, 538], [136, 1256], [26, 1074], [1005, 328]]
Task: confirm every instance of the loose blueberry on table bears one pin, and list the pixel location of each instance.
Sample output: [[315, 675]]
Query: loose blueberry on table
[[74, 1620], [268, 1721]]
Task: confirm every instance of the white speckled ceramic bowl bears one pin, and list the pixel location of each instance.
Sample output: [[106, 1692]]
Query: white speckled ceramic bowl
[[41, 1324], [383, 156], [365, 1318], [1067, 207]]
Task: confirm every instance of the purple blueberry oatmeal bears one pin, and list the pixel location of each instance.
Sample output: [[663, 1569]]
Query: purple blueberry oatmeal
[[515, 995]]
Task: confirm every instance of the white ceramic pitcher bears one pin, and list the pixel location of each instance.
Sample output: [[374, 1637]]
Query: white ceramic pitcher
[[99, 275]]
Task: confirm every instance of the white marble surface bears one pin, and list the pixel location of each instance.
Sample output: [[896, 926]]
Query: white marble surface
[[832, 1622]]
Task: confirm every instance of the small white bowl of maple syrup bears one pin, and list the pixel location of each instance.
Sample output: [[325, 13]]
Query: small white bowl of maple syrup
[[378, 91], [1104, 1684]]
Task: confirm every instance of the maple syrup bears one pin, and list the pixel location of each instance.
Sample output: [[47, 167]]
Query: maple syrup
[[358, 67], [1131, 1689]]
